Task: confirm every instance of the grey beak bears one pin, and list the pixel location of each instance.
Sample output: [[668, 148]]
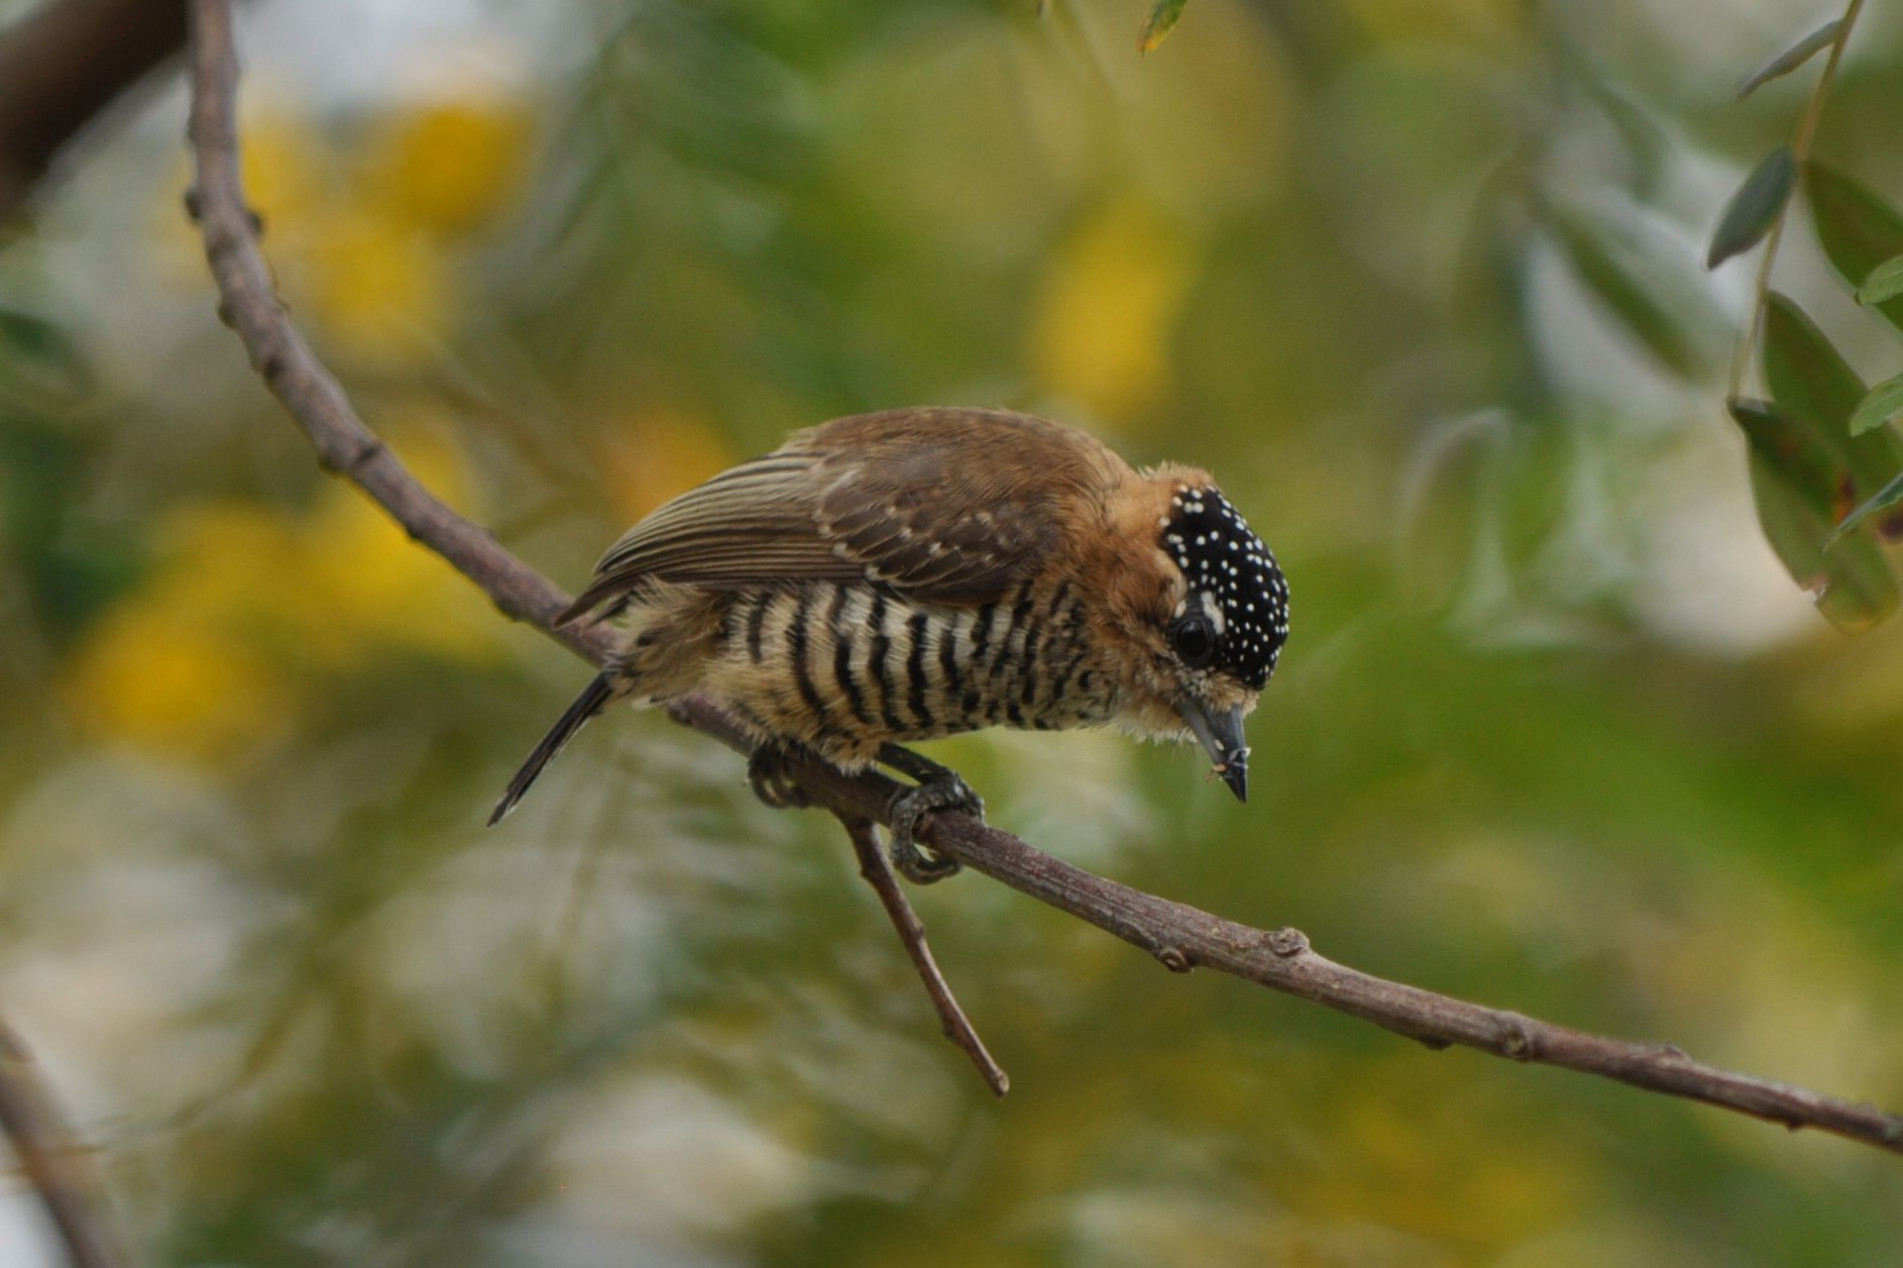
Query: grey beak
[[1221, 737]]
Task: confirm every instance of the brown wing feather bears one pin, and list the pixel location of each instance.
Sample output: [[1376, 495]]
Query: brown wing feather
[[752, 522], [946, 505]]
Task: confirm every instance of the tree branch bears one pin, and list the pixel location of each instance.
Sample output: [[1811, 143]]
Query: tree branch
[[958, 1028], [66, 1185], [1180, 936], [63, 64]]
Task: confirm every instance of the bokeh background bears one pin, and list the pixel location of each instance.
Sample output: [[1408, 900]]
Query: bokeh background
[[1554, 730]]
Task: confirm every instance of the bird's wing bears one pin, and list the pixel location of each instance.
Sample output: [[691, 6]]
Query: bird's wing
[[751, 524], [944, 505]]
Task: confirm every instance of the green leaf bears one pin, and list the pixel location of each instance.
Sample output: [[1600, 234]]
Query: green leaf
[[1861, 590], [1162, 21], [1796, 453], [1853, 584], [1623, 291], [1885, 282], [1859, 230], [37, 359], [1791, 58], [1808, 377], [1754, 208], [1878, 406], [1810, 380], [1791, 527], [1886, 497], [1798, 503]]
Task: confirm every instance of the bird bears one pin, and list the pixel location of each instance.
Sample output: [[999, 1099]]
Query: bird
[[899, 576]]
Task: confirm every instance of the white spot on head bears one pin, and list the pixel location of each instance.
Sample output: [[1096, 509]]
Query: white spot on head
[[1213, 610]]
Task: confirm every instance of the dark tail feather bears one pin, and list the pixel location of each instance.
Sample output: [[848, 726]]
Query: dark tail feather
[[594, 697]]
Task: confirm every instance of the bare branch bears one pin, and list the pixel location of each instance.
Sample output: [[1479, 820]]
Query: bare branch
[[1179, 936], [958, 1028], [61, 66], [52, 1161], [308, 391], [1182, 937]]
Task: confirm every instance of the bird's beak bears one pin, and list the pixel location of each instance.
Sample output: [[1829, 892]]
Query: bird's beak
[[1221, 737]]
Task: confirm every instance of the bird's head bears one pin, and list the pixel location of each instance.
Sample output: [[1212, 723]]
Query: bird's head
[[1210, 619]]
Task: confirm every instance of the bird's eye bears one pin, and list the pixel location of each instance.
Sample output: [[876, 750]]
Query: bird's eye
[[1195, 640]]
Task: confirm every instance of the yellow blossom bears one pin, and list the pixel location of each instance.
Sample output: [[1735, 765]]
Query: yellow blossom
[[166, 684], [371, 586], [214, 654], [364, 238], [1106, 310], [448, 167], [382, 289], [184, 666], [286, 167]]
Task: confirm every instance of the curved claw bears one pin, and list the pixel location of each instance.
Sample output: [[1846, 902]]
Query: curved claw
[[943, 790], [937, 789], [766, 772]]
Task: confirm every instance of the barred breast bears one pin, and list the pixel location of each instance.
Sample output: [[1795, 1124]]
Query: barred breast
[[844, 668]]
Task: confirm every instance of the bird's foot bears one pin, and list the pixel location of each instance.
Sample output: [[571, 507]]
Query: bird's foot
[[772, 784], [938, 788]]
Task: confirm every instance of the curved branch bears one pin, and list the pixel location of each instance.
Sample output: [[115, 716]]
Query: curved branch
[[53, 1161], [1180, 936]]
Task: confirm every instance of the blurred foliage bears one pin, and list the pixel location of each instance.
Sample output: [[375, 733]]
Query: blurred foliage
[[1422, 282], [1157, 27], [1825, 407]]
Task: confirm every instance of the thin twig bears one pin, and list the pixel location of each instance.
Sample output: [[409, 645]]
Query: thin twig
[[1801, 139], [67, 1186], [958, 1028], [1179, 936]]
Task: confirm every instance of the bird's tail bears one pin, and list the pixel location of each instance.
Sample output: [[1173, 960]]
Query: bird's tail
[[593, 699]]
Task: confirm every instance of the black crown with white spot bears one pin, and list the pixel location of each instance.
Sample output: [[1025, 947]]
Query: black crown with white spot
[[1221, 556]]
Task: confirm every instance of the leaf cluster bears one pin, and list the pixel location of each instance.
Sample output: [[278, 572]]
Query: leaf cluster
[[1826, 463]]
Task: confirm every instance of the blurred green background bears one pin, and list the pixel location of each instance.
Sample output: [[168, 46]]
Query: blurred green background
[[1554, 730]]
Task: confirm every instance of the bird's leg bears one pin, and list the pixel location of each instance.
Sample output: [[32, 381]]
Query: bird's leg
[[766, 771], [938, 788]]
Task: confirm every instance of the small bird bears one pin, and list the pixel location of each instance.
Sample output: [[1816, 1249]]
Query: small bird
[[921, 572]]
